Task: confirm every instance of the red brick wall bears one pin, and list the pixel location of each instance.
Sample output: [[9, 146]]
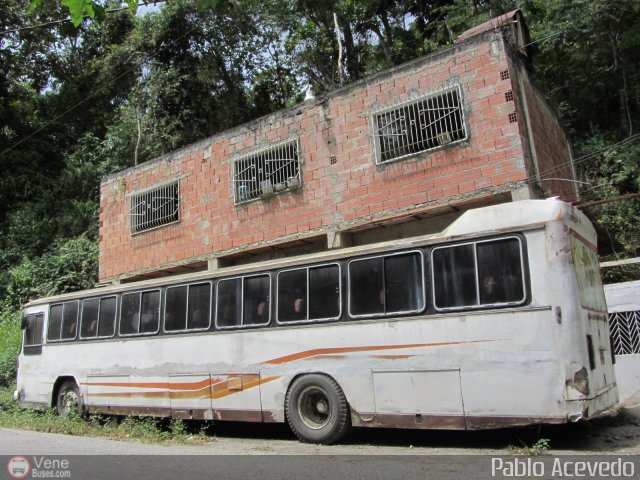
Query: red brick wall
[[334, 196], [551, 146]]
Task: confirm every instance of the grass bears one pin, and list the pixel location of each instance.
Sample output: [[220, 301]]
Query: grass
[[541, 447], [141, 429]]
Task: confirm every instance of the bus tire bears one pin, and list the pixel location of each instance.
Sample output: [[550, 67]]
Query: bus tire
[[317, 410], [68, 400]]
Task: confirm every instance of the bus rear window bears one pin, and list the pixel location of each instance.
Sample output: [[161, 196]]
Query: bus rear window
[[478, 274]]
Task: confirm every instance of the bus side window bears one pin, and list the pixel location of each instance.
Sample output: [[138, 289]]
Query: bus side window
[[256, 300], [198, 316], [69, 320], [366, 286], [229, 298], [292, 295], [89, 318], [404, 284], [454, 276], [130, 313], [386, 285], [107, 318], [150, 317], [324, 292], [33, 334], [55, 322], [175, 313], [478, 274], [500, 271]]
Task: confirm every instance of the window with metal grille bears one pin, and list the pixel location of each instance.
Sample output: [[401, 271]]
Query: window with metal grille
[[418, 125], [155, 207], [266, 172]]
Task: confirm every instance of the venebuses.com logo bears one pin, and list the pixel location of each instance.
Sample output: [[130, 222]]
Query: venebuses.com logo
[[18, 467], [38, 467]]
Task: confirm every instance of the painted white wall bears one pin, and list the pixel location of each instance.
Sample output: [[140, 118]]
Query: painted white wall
[[625, 297]]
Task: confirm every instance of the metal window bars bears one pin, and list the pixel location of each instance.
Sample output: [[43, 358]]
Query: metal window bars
[[430, 121], [266, 171], [625, 332], [155, 207]]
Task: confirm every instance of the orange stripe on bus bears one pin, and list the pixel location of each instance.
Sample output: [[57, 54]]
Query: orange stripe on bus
[[220, 389], [332, 351]]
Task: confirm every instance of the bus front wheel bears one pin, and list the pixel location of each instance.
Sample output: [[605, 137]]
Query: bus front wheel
[[317, 409], [68, 399]]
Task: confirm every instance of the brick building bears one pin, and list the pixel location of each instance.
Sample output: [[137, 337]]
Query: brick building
[[394, 155]]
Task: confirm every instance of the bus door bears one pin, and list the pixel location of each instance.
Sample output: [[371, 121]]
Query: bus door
[[32, 381]]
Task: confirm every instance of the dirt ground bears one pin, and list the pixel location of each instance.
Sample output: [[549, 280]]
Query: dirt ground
[[612, 433]]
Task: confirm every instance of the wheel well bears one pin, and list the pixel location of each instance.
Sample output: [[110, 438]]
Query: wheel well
[[56, 386]]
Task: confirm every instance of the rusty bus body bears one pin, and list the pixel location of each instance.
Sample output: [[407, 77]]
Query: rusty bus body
[[438, 352]]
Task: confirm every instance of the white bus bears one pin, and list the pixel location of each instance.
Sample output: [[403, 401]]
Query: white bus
[[499, 320]]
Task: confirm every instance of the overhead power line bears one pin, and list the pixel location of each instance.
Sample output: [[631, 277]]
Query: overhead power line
[[628, 196], [68, 19]]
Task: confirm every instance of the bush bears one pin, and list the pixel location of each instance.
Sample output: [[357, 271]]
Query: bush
[[10, 338], [70, 266]]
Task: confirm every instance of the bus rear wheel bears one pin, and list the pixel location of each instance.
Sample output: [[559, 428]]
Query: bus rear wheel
[[317, 410], [68, 399]]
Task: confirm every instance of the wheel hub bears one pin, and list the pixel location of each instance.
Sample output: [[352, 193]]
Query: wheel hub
[[314, 407]]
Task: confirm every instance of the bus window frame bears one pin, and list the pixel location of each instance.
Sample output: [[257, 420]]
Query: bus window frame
[[138, 334], [115, 318], [33, 348], [61, 339], [251, 325], [394, 313], [308, 320], [480, 306], [187, 330]]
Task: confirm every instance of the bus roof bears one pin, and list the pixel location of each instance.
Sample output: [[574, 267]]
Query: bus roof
[[511, 216]]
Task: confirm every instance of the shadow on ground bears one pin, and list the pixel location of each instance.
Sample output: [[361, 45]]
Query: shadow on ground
[[606, 434]]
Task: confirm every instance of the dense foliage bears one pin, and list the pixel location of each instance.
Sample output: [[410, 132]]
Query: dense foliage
[[79, 103]]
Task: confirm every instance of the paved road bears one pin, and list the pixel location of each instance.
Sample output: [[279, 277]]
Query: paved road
[[270, 452], [96, 458]]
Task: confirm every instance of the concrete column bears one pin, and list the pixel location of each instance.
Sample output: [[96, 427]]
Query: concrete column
[[338, 240]]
